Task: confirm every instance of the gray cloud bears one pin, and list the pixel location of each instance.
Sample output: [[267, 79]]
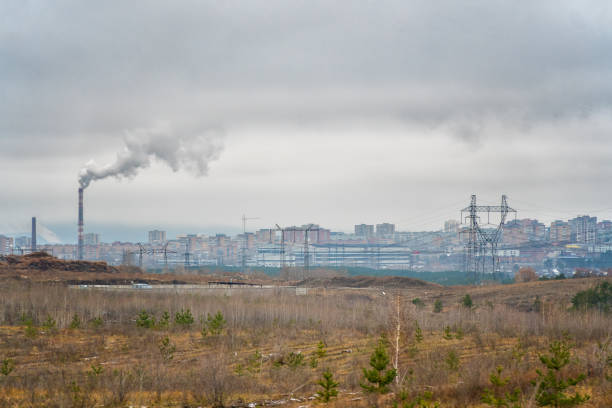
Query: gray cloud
[[499, 79]]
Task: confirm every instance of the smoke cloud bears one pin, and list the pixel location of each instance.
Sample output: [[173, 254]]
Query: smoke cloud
[[187, 150]]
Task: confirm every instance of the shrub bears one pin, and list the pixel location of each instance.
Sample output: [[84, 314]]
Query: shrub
[[255, 362], [498, 397], [50, 324], [164, 322], [598, 297], [418, 302], [551, 387], [452, 360], [295, 360], [378, 376], [184, 318], [96, 322], [466, 301], [166, 349], [145, 320], [447, 333], [424, 400], [437, 306], [213, 325], [328, 387], [31, 331], [76, 322], [321, 352], [418, 333], [7, 367]]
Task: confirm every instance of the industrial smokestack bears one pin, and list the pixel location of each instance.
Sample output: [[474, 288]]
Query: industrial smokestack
[[33, 249], [80, 248]]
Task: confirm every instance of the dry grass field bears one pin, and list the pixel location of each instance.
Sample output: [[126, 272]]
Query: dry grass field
[[70, 347]]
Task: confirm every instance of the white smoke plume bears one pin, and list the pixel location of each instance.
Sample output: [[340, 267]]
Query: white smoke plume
[[191, 151]]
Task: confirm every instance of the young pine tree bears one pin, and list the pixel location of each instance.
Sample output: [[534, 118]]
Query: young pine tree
[[552, 390], [496, 397], [378, 377], [328, 387]]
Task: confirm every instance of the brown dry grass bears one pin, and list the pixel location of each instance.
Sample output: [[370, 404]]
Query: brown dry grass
[[54, 367]]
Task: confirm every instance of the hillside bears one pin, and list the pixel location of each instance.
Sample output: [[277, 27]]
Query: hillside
[[391, 282]]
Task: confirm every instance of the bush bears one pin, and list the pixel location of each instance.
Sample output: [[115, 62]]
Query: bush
[[321, 352], [378, 376], [598, 297], [213, 325], [50, 325], [452, 360], [295, 360], [184, 318], [8, 365], [424, 400], [437, 306], [418, 333], [551, 387], [96, 322], [418, 302], [76, 322], [498, 396], [466, 301], [328, 386], [166, 349], [145, 320], [164, 322]]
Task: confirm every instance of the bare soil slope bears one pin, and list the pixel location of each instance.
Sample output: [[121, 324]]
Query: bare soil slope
[[391, 282], [41, 267]]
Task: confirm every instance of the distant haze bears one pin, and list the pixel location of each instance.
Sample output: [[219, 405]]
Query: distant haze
[[196, 112]]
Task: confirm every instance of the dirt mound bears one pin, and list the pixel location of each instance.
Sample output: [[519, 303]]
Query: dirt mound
[[41, 261], [398, 282]]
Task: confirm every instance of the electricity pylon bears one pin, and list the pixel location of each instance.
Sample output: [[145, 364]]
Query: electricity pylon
[[481, 240]]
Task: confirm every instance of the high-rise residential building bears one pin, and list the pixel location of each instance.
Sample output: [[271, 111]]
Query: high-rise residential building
[[364, 230], [560, 231], [604, 231], [91, 239], [157, 237], [584, 229], [6, 245], [266, 235], [451, 226], [517, 232], [385, 230]]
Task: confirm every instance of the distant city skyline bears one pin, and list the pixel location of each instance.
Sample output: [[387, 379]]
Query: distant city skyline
[[66, 233], [334, 113]]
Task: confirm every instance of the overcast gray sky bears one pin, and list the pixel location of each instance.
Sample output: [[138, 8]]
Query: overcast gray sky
[[329, 112]]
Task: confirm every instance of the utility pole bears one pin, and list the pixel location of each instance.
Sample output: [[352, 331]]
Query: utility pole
[[141, 250], [187, 249], [282, 249], [244, 240]]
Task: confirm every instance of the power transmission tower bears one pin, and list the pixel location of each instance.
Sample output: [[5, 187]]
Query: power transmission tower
[[244, 241], [482, 240], [307, 230]]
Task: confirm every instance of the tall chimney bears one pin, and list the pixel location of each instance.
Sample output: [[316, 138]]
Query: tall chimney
[[33, 249], [80, 248]]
